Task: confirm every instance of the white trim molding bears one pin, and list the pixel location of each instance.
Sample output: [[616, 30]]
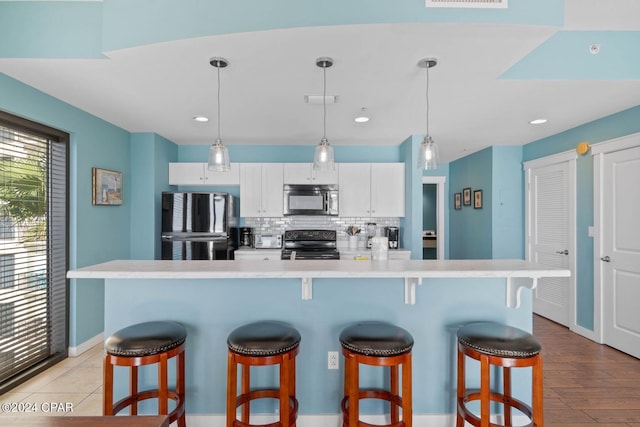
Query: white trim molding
[[87, 345], [440, 218]]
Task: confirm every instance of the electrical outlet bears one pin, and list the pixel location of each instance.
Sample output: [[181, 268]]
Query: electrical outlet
[[333, 360]]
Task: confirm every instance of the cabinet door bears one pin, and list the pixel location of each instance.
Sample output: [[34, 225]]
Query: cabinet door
[[354, 189], [297, 173], [387, 189], [231, 177], [272, 194], [303, 173], [324, 177], [186, 173], [250, 189]]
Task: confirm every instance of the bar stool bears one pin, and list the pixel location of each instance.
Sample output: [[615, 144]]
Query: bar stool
[[260, 344], [498, 345], [145, 344], [376, 344]]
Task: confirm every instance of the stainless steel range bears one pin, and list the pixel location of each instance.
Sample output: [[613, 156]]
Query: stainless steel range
[[310, 244]]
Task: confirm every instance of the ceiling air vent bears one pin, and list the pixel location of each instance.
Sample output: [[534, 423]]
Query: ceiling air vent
[[471, 4]]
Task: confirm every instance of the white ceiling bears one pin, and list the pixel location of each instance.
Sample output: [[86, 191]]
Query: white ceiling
[[159, 88]]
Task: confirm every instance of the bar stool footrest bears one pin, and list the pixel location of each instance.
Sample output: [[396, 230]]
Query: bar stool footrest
[[474, 395], [372, 393], [151, 394], [266, 394]]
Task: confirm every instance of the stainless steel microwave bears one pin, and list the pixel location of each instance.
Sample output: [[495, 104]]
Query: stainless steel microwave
[[310, 199]]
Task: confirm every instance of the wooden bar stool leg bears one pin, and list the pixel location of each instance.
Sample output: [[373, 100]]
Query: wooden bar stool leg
[[461, 388], [232, 389], [246, 388], [163, 386], [180, 386], [485, 391], [133, 389], [407, 398], [107, 380], [352, 389], [537, 394], [506, 391], [284, 390], [393, 389]]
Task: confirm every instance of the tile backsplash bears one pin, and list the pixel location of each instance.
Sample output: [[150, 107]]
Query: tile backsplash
[[340, 224]]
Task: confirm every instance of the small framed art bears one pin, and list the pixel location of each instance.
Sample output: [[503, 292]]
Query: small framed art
[[477, 199], [107, 187], [466, 197], [457, 201]]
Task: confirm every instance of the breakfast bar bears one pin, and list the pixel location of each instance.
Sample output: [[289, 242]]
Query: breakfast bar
[[429, 298]]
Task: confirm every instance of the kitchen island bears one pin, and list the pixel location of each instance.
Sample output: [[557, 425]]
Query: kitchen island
[[320, 298]]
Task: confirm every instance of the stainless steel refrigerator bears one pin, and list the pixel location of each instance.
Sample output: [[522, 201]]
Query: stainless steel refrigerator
[[198, 226]]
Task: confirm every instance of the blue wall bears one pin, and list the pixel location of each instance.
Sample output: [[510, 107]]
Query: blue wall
[[614, 126], [97, 233], [496, 230]]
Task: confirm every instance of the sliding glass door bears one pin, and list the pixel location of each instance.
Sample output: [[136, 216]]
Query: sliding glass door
[[33, 248]]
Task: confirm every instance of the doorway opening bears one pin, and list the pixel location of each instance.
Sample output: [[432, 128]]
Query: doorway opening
[[433, 202]]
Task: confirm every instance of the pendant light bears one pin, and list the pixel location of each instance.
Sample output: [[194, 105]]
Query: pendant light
[[428, 157], [323, 157], [218, 153]]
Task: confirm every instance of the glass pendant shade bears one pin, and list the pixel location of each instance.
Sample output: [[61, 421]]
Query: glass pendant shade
[[428, 157], [323, 157], [218, 157]]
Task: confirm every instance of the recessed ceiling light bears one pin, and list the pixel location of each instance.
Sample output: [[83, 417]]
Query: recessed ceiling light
[[362, 117], [538, 121], [201, 119]]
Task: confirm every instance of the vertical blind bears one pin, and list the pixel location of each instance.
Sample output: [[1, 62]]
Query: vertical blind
[[33, 248]]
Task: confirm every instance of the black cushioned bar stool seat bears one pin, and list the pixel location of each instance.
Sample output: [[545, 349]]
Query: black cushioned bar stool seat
[[144, 344], [377, 343], [505, 346], [260, 344]]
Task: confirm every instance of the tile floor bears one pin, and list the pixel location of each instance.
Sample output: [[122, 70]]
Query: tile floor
[[80, 377]]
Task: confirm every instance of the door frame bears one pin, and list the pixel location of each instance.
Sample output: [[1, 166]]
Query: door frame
[[440, 203], [598, 151], [570, 157]]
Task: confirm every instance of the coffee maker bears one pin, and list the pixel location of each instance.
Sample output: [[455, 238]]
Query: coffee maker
[[246, 236], [393, 234]]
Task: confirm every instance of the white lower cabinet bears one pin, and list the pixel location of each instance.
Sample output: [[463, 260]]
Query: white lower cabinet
[[371, 190], [257, 254], [261, 192], [195, 173]]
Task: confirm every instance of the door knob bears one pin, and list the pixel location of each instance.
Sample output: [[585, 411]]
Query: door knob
[[605, 258], [565, 252]]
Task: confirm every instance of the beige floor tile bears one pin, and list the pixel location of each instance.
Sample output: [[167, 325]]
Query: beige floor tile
[[90, 406], [39, 381], [49, 404], [80, 380]]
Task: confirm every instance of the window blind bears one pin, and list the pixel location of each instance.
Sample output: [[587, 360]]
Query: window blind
[[33, 248]]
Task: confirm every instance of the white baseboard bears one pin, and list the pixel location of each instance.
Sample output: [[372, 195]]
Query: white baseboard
[[587, 333], [87, 345], [334, 420]]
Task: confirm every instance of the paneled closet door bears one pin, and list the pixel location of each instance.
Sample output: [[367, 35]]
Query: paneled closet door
[[550, 237]]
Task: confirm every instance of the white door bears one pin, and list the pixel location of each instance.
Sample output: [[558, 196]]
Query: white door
[[620, 257], [355, 190], [387, 189], [550, 242]]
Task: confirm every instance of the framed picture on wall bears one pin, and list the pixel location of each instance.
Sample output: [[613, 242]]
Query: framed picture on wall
[[457, 201], [466, 196], [477, 199], [107, 187]]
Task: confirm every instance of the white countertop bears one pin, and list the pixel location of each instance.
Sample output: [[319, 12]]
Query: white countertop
[[518, 274], [154, 269]]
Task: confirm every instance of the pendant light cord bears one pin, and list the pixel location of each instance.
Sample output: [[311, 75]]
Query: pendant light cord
[[324, 102], [218, 104], [427, 96]]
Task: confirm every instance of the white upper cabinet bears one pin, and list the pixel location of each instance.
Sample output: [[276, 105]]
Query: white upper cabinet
[[303, 173], [261, 192], [371, 189], [195, 173], [387, 189]]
